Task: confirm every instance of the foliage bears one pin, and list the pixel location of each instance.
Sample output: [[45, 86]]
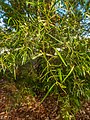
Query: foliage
[[48, 52]]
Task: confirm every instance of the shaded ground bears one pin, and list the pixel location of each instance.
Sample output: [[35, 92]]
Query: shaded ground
[[14, 107], [84, 113], [26, 108]]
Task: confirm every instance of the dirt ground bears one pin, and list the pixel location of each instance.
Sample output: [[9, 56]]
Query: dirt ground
[[28, 109]]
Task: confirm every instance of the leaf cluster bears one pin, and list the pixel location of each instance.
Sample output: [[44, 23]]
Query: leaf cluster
[[48, 52]]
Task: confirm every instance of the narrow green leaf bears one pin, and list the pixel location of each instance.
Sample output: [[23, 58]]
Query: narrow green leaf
[[61, 86], [53, 37], [60, 56], [9, 20], [60, 75], [48, 92], [68, 74], [14, 73]]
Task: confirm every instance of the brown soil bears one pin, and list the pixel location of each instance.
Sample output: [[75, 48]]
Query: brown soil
[[14, 108], [84, 113], [28, 108]]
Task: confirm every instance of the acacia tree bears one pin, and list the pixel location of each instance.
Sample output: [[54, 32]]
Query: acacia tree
[[52, 44]]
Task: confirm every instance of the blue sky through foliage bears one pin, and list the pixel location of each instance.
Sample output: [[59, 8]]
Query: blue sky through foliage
[[61, 9]]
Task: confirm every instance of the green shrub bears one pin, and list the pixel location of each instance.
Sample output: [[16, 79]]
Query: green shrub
[[50, 58]]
